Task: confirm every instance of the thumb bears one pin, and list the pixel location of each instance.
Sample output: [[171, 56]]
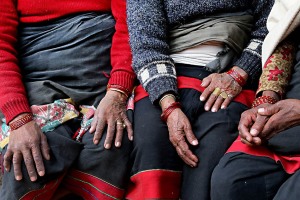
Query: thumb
[[206, 81], [269, 110]]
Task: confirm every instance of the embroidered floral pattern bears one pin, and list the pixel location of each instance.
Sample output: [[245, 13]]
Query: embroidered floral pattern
[[277, 70]]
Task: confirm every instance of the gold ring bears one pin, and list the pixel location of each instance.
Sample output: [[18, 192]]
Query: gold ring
[[217, 91], [121, 123], [224, 95], [124, 125]]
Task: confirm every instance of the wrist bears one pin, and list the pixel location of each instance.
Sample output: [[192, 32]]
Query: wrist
[[119, 89], [271, 94], [262, 100], [239, 75], [166, 100], [166, 113], [20, 121]]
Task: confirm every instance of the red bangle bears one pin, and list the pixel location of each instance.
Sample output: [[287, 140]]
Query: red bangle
[[119, 88], [263, 99], [166, 113], [237, 77], [20, 122]]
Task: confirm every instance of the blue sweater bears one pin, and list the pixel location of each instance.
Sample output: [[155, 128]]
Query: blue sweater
[[148, 24]]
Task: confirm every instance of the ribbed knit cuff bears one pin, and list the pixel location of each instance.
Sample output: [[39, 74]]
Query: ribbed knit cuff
[[14, 107], [159, 86], [251, 64], [123, 79]]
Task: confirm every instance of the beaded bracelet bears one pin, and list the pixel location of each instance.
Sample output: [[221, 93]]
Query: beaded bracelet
[[237, 77], [165, 96], [166, 113], [263, 99], [118, 88], [20, 122]]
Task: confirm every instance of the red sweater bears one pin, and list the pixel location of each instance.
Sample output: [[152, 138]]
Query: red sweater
[[13, 100]]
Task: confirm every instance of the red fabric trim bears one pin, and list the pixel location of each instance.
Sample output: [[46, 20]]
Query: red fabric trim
[[289, 163], [154, 184], [246, 97], [89, 186], [45, 193]]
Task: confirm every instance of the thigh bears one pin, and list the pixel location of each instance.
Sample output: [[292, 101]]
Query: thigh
[[215, 131], [290, 188], [64, 152], [242, 176]]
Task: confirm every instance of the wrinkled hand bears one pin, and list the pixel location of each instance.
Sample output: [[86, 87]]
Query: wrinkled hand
[[180, 130], [228, 86], [282, 115], [111, 112], [27, 143], [250, 126]]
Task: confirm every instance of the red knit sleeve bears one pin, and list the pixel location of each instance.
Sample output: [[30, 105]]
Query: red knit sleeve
[[13, 99], [122, 73]]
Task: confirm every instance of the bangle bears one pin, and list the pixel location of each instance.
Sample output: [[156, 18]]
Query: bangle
[[166, 113], [120, 89], [165, 96], [237, 77], [263, 99], [20, 122]]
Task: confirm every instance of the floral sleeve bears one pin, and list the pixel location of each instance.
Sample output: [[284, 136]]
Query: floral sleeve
[[277, 70]]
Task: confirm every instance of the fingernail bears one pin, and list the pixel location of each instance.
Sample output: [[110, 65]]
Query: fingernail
[[194, 142], [41, 173], [261, 110], [118, 144], [202, 98], [214, 110], [248, 138], [206, 108], [131, 138], [96, 141], [253, 132], [222, 107], [107, 146], [33, 178], [18, 178]]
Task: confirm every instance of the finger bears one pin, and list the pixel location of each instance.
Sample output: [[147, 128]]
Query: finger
[[110, 134], [211, 100], [129, 128], [39, 164], [226, 102], [216, 106], [246, 142], [206, 81], [191, 138], [185, 149], [258, 125], [29, 165], [45, 147], [257, 141], [17, 159], [245, 123], [7, 160], [119, 134], [94, 123], [99, 131], [244, 133], [185, 156]]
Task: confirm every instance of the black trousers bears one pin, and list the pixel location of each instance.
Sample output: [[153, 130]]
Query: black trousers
[[241, 176], [215, 132]]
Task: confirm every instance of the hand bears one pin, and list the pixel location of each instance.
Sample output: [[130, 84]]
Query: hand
[[180, 130], [228, 88], [250, 125], [27, 143], [282, 115], [111, 112]]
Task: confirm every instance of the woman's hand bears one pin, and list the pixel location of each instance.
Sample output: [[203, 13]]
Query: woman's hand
[[220, 89], [111, 112], [27, 143], [180, 131]]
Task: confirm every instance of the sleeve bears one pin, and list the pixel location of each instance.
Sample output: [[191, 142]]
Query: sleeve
[[147, 26], [250, 59], [13, 100], [122, 73], [277, 70]]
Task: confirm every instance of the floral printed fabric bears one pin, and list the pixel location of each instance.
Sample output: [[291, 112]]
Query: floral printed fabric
[[49, 116], [277, 70]]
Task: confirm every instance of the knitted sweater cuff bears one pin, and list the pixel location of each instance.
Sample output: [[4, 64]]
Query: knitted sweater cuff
[[13, 108], [251, 64], [123, 79]]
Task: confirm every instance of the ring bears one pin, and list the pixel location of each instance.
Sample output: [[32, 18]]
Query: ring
[[121, 123], [230, 96], [224, 95], [217, 91]]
